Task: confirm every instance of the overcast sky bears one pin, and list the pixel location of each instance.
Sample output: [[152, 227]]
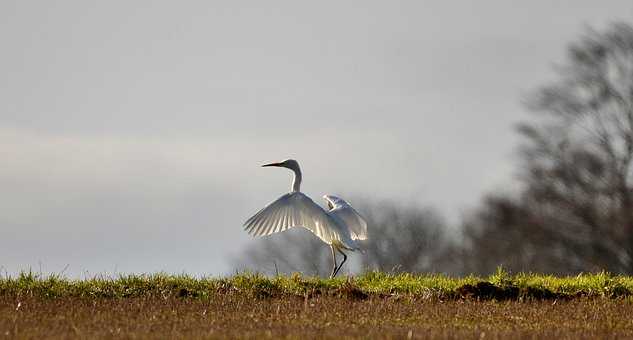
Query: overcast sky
[[131, 131]]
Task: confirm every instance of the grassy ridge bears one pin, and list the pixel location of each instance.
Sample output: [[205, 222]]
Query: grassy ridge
[[499, 286]]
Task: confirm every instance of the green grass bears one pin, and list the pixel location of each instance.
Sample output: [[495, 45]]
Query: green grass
[[501, 285]]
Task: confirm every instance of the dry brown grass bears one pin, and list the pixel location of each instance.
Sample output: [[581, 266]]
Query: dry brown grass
[[234, 315]]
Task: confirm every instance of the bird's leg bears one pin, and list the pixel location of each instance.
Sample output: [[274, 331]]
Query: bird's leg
[[333, 262], [340, 265]]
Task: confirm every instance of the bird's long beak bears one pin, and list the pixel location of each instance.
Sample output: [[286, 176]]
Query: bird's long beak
[[271, 164]]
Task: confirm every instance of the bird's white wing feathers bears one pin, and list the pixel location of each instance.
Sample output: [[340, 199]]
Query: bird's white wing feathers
[[355, 223], [294, 209]]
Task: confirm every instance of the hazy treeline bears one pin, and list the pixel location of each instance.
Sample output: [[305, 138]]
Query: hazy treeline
[[573, 212], [401, 239]]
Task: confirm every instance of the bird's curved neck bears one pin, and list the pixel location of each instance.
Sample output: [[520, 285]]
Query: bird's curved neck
[[296, 181]]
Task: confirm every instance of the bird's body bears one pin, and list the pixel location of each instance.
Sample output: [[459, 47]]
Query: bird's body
[[338, 227]]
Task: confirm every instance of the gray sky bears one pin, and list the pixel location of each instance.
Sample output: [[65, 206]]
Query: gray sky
[[131, 132]]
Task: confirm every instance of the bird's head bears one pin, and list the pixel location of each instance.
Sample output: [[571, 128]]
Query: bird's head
[[288, 163]]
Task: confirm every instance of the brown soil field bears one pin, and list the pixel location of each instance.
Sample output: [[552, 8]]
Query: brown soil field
[[236, 316]]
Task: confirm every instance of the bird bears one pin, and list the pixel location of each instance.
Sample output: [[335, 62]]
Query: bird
[[341, 226]]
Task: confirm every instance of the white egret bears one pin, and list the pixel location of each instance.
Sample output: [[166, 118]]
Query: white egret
[[339, 227]]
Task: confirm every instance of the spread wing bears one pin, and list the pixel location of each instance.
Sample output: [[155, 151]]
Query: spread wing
[[293, 209], [354, 221]]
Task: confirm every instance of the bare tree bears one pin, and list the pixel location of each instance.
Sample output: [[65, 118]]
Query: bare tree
[[407, 239], [512, 233], [400, 239], [576, 209], [294, 250]]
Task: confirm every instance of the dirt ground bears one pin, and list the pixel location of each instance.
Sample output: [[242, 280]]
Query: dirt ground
[[231, 316]]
